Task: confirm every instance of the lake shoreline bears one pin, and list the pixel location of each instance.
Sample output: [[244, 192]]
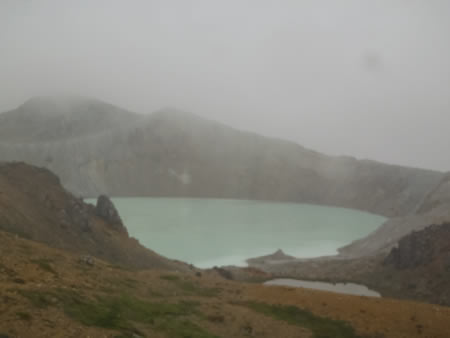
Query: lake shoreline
[[203, 232]]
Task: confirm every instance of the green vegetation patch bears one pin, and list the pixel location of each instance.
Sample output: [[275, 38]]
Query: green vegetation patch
[[321, 327], [190, 287], [169, 277], [119, 267], [38, 298], [7, 271], [119, 313], [22, 234], [154, 294], [23, 316], [183, 329], [44, 264]]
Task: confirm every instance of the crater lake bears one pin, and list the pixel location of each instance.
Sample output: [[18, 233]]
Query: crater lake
[[217, 232]]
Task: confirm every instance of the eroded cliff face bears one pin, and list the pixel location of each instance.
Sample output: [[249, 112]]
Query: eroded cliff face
[[170, 153]]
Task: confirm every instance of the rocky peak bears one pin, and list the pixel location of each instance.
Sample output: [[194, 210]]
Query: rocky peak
[[76, 213], [106, 210], [277, 256]]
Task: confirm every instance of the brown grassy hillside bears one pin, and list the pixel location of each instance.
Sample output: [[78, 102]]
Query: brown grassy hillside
[[47, 292]]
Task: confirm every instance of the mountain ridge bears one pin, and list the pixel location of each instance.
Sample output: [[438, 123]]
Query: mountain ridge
[[55, 118], [177, 154]]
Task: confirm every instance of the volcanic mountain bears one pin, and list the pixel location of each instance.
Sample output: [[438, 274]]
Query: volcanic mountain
[[97, 148]]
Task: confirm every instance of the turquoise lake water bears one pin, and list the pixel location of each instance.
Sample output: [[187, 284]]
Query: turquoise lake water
[[209, 232]]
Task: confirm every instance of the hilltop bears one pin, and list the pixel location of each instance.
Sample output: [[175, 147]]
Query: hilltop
[[59, 118]]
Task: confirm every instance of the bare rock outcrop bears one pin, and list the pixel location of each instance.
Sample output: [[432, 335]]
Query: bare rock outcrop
[[106, 210], [421, 248], [277, 257]]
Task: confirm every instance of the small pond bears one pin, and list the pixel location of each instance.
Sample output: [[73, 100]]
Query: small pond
[[347, 288]]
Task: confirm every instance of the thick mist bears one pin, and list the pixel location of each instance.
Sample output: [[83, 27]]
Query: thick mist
[[369, 79]]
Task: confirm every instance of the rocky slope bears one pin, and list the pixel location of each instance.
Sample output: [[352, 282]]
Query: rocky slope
[[422, 248], [435, 209], [34, 205], [405, 257], [99, 149], [418, 267]]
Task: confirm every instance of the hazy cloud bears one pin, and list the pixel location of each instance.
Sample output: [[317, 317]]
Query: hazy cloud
[[358, 77]]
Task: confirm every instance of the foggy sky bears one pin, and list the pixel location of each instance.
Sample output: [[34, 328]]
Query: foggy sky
[[364, 78]]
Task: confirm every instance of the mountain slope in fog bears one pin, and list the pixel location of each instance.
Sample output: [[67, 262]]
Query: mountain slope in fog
[[45, 119], [435, 209], [98, 148]]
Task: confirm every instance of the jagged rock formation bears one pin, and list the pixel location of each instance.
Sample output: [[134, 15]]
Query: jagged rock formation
[[421, 248], [34, 205], [106, 210], [277, 257], [96, 148]]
